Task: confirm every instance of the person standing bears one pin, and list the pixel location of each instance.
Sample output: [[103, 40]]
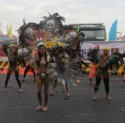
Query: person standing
[[11, 52], [41, 65], [93, 57], [103, 73]]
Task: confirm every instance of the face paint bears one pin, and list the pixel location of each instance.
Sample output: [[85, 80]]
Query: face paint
[[50, 25], [70, 37]]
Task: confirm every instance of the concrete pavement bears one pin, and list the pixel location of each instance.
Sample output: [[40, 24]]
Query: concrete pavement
[[80, 108]]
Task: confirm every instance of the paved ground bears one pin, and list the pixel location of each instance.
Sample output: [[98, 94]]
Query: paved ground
[[20, 108]]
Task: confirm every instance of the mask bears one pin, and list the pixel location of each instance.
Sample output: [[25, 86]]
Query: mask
[[70, 37], [29, 32], [50, 25]]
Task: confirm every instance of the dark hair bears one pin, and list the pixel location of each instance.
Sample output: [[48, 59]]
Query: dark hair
[[40, 56]]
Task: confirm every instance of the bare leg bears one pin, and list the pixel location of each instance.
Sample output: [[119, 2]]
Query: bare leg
[[39, 96], [46, 86], [52, 88], [98, 80]]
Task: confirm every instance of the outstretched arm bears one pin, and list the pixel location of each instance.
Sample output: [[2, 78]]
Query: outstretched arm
[[4, 48]]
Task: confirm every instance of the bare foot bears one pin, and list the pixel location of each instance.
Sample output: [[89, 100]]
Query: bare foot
[[4, 89], [39, 108], [45, 108], [51, 94], [108, 98], [95, 98], [20, 90]]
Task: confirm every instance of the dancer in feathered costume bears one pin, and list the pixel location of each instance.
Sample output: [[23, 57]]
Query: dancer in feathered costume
[[66, 54], [105, 61], [60, 70], [120, 61]]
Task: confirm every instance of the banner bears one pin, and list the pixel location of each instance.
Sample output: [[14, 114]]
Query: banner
[[117, 45], [87, 46]]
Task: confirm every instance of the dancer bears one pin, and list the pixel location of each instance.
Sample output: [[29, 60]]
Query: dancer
[[51, 29], [93, 57], [41, 65], [11, 52], [103, 72]]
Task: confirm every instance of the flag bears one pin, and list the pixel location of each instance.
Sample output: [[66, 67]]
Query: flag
[[113, 31], [10, 34]]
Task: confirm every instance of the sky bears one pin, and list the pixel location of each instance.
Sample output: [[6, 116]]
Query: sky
[[75, 11]]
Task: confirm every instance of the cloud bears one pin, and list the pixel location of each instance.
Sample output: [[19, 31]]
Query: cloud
[[75, 11]]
